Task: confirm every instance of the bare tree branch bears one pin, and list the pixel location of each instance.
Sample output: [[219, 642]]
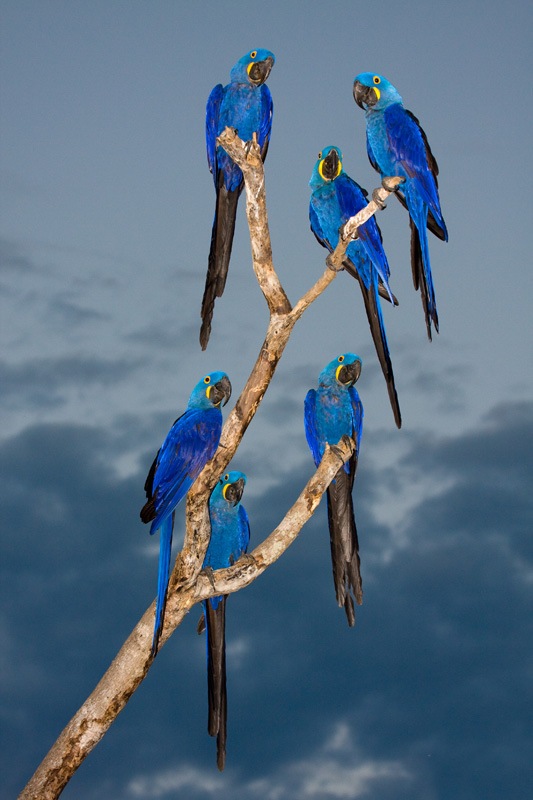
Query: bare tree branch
[[131, 665], [187, 585]]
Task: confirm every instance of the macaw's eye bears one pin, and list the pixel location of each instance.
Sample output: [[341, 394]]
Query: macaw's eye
[[253, 54], [226, 477], [320, 154], [207, 379], [377, 79], [340, 359]]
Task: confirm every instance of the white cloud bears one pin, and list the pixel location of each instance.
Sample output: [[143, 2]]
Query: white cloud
[[171, 780], [337, 770]]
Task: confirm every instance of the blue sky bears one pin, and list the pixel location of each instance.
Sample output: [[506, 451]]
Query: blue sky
[[106, 212]]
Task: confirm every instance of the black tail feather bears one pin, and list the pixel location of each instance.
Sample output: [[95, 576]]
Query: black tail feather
[[215, 619], [219, 254], [380, 342], [344, 542]]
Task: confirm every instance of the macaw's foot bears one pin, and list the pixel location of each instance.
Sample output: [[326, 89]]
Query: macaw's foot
[[247, 559], [200, 628], [381, 204], [209, 573], [392, 183]]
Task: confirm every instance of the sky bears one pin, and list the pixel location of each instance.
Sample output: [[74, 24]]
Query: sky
[[106, 212]]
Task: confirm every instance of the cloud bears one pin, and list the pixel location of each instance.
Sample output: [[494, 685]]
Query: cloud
[[427, 697], [42, 383], [336, 771], [13, 258]]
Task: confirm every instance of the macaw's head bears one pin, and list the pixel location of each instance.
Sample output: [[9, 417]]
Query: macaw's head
[[211, 391], [342, 371], [253, 68], [328, 167], [374, 92], [230, 487]]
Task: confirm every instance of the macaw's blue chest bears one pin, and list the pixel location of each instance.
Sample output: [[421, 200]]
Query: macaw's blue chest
[[224, 545], [335, 417], [378, 143], [241, 109], [325, 203]]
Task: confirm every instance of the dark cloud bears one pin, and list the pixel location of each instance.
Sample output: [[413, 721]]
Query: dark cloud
[[68, 312], [13, 258], [45, 382], [427, 697]]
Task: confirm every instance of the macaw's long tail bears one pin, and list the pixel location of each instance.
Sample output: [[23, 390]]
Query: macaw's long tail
[[421, 268], [344, 543], [165, 546], [215, 621], [377, 329], [219, 254]]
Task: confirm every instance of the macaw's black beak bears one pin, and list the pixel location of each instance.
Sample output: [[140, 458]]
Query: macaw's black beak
[[221, 391], [349, 373], [364, 96], [260, 70], [233, 492], [330, 165]]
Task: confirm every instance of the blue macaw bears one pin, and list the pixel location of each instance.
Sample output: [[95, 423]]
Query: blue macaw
[[397, 146], [189, 445], [246, 105], [332, 411], [335, 197], [230, 535]]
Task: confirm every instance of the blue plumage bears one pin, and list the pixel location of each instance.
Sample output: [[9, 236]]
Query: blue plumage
[[330, 412], [335, 197], [230, 535], [188, 446], [246, 105], [397, 146]]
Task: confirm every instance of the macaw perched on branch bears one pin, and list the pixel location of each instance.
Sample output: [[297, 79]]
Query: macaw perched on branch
[[246, 105], [332, 411], [230, 535], [397, 146], [335, 197], [189, 445]]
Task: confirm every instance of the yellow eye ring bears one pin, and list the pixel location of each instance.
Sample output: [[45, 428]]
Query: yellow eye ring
[[376, 79], [207, 379], [253, 54], [226, 477], [340, 359], [320, 154]]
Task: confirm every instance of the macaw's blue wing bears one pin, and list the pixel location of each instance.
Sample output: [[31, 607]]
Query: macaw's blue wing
[[265, 124], [312, 435], [352, 198], [243, 539], [357, 417], [419, 195], [189, 445], [212, 113], [411, 149]]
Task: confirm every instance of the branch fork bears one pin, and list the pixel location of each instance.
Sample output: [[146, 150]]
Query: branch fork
[[188, 584]]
